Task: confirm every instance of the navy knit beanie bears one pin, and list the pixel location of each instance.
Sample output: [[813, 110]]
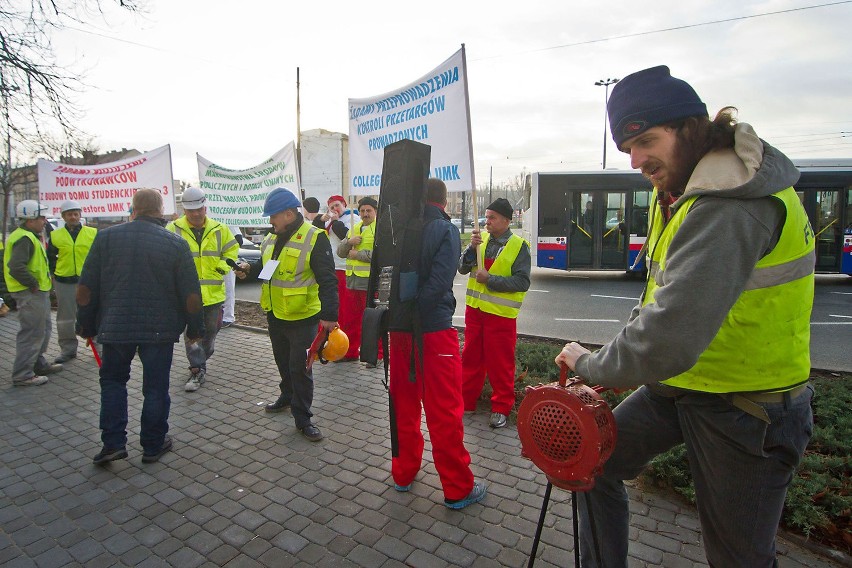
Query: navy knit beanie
[[649, 98], [502, 206]]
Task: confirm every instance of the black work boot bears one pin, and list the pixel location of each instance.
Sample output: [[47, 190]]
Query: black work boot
[[279, 405]]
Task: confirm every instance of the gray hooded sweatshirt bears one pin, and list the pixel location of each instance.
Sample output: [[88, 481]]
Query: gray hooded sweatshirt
[[727, 231]]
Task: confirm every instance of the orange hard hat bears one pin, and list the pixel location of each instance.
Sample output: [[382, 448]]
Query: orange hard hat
[[334, 347]]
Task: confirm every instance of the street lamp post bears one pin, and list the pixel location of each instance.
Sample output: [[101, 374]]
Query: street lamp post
[[605, 83]]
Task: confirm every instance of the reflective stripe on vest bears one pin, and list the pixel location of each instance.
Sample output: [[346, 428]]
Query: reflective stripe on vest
[[763, 344], [72, 252], [217, 244], [505, 304], [368, 234], [292, 293], [37, 265]]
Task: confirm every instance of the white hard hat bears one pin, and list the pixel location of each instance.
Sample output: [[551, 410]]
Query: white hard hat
[[69, 205], [193, 198], [30, 209]]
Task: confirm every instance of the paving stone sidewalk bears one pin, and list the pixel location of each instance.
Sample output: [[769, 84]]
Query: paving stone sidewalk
[[242, 487]]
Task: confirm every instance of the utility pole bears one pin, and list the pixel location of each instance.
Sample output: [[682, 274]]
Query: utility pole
[[605, 83]]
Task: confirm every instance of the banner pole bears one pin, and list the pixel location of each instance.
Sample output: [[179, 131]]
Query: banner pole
[[479, 252]]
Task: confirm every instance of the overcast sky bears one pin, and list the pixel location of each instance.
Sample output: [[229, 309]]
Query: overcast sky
[[219, 78]]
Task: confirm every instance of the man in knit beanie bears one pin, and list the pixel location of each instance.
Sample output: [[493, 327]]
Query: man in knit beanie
[[719, 345]]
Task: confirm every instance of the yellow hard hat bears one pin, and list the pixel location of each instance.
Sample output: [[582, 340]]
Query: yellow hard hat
[[334, 347]]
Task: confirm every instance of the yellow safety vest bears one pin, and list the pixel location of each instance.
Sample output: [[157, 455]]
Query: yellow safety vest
[[368, 234], [72, 252], [506, 304], [217, 244], [763, 344], [37, 264], [292, 293]]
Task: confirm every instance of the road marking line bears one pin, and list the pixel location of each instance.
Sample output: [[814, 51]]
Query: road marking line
[[581, 319], [614, 297], [838, 316], [831, 323]]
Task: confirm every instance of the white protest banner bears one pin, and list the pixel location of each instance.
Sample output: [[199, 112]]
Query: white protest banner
[[235, 197], [432, 110], [106, 190]]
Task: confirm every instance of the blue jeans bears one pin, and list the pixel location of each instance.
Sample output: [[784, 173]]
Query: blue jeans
[[740, 465], [115, 372], [198, 352]]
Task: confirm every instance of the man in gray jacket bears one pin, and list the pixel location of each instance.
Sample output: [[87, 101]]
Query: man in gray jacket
[[720, 339]]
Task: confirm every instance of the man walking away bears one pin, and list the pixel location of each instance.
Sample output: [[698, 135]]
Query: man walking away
[[66, 253], [138, 291], [28, 281]]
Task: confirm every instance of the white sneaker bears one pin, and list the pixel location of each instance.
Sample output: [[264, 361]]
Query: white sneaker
[[498, 420], [35, 380], [195, 381]]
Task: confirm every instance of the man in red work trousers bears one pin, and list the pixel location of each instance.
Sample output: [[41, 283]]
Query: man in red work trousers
[[494, 295], [436, 383]]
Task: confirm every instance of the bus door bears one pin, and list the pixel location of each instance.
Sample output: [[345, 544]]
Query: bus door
[[824, 209], [597, 236], [552, 225]]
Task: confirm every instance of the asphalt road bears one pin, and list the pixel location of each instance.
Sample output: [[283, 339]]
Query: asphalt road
[[592, 307]]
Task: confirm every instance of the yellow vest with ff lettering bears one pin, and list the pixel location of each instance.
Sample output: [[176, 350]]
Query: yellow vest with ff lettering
[[217, 244], [764, 342], [368, 234], [505, 304], [292, 292], [37, 264], [72, 252]]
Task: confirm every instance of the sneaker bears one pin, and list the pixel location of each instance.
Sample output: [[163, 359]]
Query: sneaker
[[48, 369], [107, 455], [195, 381], [311, 432], [402, 488], [476, 495], [167, 446], [65, 357], [279, 405], [497, 420], [370, 365], [4, 309], [35, 380], [227, 324]]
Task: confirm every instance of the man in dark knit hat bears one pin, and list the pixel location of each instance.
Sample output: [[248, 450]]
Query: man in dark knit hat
[[495, 291], [720, 339]]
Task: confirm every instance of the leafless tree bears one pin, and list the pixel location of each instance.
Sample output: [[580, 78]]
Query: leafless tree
[[37, 94]]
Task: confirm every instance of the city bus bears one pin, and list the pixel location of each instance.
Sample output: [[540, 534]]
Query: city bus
[[599, 220]]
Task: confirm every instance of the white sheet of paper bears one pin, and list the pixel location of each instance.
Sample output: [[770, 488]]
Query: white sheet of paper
[[268, 269]]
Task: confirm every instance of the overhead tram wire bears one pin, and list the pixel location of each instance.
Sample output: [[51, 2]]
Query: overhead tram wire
[[672, 29]]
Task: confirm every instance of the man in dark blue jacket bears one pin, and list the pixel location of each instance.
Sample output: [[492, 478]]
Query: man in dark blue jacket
[[437, 381], [138, 291]]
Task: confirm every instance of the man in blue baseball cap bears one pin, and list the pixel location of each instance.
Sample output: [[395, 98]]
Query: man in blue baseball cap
[[300, 293], [720, 340]]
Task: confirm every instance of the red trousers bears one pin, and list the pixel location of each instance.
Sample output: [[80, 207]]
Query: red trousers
[[489, 349], [438, 391], [351, 318]]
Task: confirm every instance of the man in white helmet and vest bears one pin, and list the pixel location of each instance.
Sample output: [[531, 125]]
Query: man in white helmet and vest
[[69, 245], [494, 296], [28, 280], [212, 244], [720, 339], [299, 293], [357, 249]]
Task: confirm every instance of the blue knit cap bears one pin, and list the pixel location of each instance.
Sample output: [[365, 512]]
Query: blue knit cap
[[278, 200], [649, 98]]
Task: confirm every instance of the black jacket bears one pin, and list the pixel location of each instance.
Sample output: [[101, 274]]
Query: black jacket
[[139, 285], [440, 250]]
